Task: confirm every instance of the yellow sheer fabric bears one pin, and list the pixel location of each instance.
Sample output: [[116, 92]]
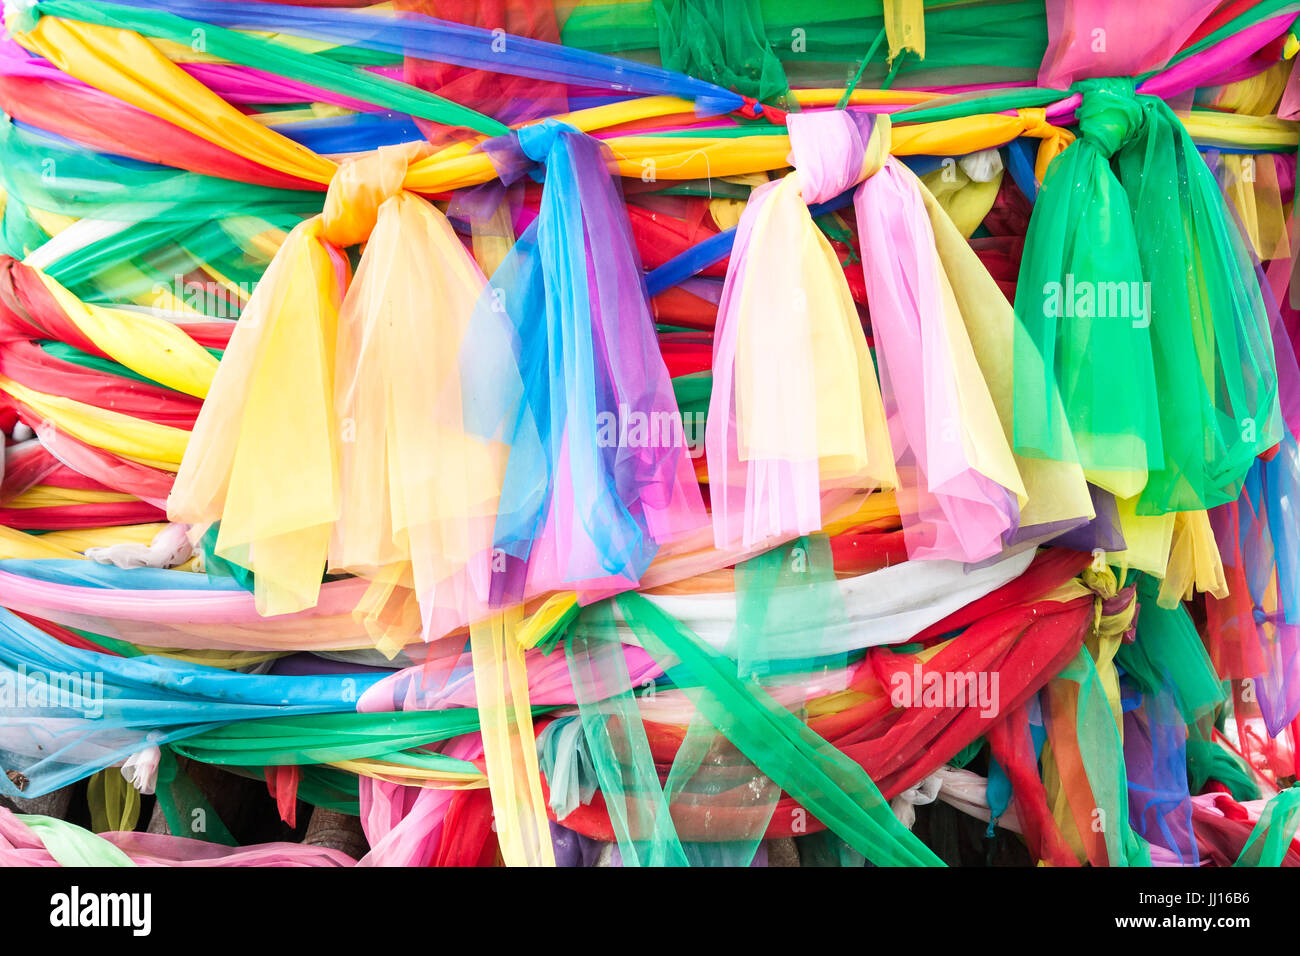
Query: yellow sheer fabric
[[905, 27], [1210, 127], [1054, 491], [51, 496], [1250, 183], [159, 446], [1148, 537], [114, 803], [18, 544], [987, 444], [144, 343], [1256, 95], [509, 748], [412, 776], [965, 200], [415, 487], [1194, 561], [97, 55], [267, 472], [817, 339], [124, 64]]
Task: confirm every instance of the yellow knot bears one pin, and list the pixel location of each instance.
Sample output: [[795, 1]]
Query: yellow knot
[[1100, 581], [360, 186], [1053, 139], [1119, 623], [1105, 587]]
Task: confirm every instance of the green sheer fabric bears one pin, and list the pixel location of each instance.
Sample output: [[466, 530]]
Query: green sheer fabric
[[1102, 752], [172, 265], [814, 46], [1271, 838], [173, 224], [724, 801], [1098, 371], [710, 777], [722, 41], [1140, 315], [53, 174], [1215, 374], [217, 566], [826, 849], [821, 779], [322, 738], [1208, 760], [185, 807], [616, 742], [787, 600], [1168, 649], [330, 788], [70, 845]]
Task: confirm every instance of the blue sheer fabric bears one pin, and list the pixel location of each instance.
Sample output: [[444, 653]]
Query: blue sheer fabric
[[66, 713], [562, 364], [1155, 758], [455, 43]]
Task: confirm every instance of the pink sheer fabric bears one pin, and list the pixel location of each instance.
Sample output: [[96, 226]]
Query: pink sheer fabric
[[404, 824], [191, 618], [20, 846], [449, 682], [1289, 108], [958, 488], [795, 413], [1094, 38]]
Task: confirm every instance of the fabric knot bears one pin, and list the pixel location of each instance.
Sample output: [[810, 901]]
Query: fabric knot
[[360, 186], [518, 153], [169, 548], [1054, 139], [1110, 114], [1100, 580], [1118, 615], [1035, 122], [981, 166], [141, 769], [834, 150], [904, 805], [537, 140], [1115, 608]]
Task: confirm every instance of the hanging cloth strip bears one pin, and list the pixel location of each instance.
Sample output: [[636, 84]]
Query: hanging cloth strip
[[959, 490], [795, 413], [1141, 360], [599, 478]]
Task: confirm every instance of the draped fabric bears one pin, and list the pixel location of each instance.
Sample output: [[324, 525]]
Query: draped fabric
[[662, 433], [1106, 308]]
